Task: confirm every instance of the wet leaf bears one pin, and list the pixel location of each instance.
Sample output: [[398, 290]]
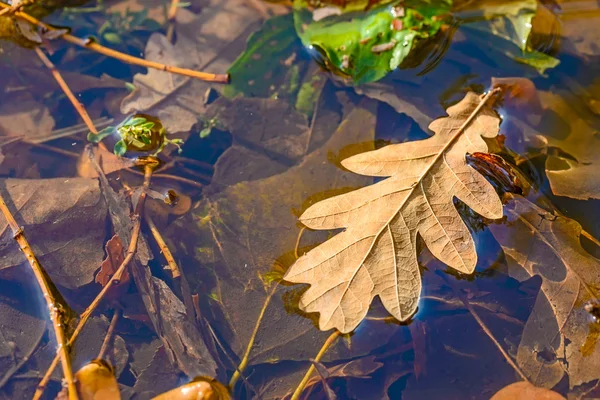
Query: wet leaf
[[366, 46], [268, 137], [361, 368], [559, 336], [184, 344], [239, 234], [511, 25], [572, 143], [268, 67], [525, 391], [376, 254], [158, 376], [115, 254], [202, 43], [64, 220], [22, 115]]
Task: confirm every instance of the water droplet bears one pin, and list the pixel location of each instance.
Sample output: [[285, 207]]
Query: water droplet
[[405, 43]]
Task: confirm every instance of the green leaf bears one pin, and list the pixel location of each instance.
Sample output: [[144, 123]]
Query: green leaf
[[145, 139], [120, 148], [205, 132], [96, 138], [148, 125], [269, 56], [134, 121], [308, 95], [366, 46], [112, 38]]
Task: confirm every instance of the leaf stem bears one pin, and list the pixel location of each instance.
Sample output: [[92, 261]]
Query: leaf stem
[[65, 88], [116, 278], [53, 307], [330, 340], [126, 58], [246, 358], [164, 249], [171, 19], [109, 334]]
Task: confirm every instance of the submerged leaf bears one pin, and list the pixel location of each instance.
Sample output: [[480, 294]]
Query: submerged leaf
[[376, 254], [511, 24], [204, 42], [559, 336], [242, 232], [64, 220]]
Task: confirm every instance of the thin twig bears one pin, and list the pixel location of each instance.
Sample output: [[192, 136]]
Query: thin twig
[[109, 334], [171, 19], [246, 358], [330, 340], [65, 88], [297, 246], [589, 237], [53, 306], [126, 58], [116, 278], [164, 249]]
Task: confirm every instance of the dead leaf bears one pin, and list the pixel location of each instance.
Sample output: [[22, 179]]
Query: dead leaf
[[22, 115], [64, 220], [572, 143], [574, 172], [239, 234], [108, 161], [269, 136], [558, 336], [202, 43], [376, 254], [115, 254], [361, 368], [182, 341], [158, 376], [404, 104], [525, 391]]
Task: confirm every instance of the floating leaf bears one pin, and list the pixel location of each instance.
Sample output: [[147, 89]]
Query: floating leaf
[[376, 254], [366, 46]]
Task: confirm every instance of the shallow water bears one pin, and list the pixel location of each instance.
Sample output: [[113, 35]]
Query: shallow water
[[250, 166]]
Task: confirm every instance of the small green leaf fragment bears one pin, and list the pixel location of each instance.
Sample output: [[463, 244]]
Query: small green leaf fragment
[[120, 148], [96, 138], [112, 38]]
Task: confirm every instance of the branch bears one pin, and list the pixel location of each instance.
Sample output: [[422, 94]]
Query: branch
[[164, 249], [98, 48], [330, 340], [53, 306], [116, 278]]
